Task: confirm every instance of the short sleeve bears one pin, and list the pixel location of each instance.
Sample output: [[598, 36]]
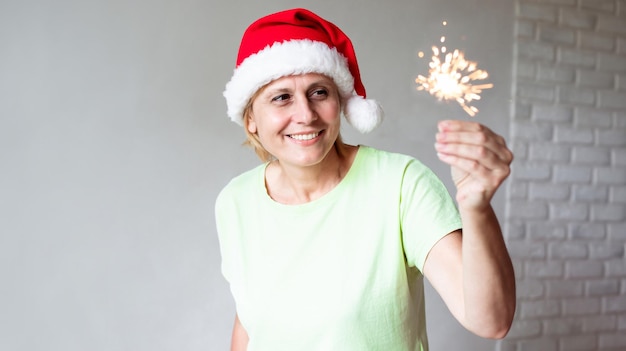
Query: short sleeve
[[222, 220], [427, 212]]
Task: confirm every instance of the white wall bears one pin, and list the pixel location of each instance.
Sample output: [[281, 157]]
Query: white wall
[[114, 143], [567, 200]]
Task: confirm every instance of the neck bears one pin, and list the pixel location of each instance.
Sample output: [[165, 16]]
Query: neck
[[293, 185]]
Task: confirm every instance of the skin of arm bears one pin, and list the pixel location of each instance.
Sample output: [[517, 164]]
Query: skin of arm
[[239, 339], [472, 270]]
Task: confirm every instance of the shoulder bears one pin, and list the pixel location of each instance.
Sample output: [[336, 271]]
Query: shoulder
[[392, 168], [244, 184], [390, 161], [374, 153]]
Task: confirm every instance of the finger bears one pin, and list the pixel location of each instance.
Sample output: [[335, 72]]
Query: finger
[[452, 126], [474, 141], [490, 178], [457, 125], [479, 153], [476, 134], [473, 133], [473, 168]]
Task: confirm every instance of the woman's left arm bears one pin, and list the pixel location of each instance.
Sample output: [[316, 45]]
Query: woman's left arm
[[472, 270]]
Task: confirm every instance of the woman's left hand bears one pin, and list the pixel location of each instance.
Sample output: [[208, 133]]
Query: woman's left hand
[[479, 158]]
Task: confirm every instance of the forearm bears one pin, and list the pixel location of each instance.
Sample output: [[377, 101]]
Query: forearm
[[239, 339], [488, 277]]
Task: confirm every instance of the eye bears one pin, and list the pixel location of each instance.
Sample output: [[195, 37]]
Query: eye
[[281, 97], [319, 93]]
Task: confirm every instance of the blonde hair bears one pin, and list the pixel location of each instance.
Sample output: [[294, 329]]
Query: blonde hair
[[252, 140]]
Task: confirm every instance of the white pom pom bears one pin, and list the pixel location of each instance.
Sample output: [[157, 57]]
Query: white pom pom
[[363, 114]]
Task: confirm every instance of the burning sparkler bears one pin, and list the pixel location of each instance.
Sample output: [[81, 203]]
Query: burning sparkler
[[451, 77]]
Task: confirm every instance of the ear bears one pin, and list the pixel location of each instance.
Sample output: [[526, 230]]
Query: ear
[[251, 123]]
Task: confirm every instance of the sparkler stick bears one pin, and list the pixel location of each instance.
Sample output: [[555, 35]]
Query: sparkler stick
[[451, 77]]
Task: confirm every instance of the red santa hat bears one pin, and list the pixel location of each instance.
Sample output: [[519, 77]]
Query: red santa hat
[[295, 42]]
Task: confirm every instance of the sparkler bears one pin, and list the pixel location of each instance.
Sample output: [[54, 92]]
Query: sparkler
[[451, 77]]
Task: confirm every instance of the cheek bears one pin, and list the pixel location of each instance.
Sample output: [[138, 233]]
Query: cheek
[[334, 113]]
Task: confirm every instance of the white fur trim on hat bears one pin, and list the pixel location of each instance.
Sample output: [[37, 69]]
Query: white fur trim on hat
[[299, 57]]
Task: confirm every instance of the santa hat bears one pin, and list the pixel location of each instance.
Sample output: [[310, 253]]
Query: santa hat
[[295, 42]]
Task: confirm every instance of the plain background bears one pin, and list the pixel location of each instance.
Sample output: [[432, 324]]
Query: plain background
[[114, 143]]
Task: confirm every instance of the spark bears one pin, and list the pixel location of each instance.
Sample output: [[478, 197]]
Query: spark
[[451, 77]]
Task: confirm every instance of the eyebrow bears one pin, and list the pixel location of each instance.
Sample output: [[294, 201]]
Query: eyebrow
[[276, 91], [322, 81]]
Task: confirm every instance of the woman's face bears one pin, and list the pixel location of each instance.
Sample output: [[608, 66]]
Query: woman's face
[[297, 118]]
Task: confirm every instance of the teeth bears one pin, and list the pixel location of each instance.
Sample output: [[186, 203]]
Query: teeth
[[304, 136]]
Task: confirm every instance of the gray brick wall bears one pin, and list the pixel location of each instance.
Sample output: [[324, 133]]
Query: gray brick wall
[[566, 199]]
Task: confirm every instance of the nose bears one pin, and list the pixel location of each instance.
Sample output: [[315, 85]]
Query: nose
[[303, 111]]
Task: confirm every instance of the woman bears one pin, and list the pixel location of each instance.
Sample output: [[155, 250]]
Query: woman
[[325, 245]]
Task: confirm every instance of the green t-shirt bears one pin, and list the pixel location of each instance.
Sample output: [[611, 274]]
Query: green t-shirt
[[341, 272]]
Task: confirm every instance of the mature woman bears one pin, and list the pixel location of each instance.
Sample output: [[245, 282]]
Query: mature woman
[[325, 244]]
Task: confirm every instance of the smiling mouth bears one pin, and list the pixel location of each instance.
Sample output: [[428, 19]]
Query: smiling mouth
[[303, 137]]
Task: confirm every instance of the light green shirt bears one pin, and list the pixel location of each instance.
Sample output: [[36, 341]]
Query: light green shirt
[[341, 272]]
